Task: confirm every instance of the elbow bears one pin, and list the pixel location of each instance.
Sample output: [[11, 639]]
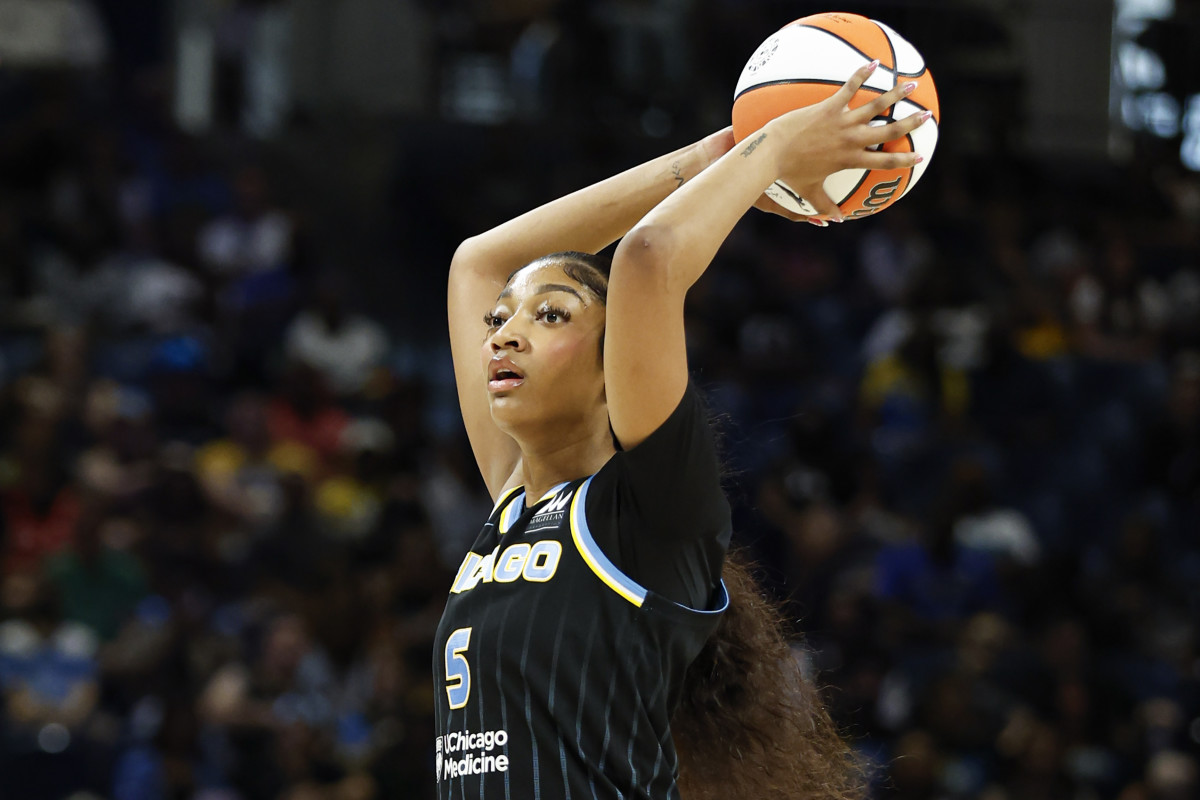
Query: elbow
[[647, 249], [466, 255]]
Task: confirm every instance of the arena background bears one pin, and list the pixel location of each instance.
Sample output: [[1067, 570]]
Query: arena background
[[963, 436]]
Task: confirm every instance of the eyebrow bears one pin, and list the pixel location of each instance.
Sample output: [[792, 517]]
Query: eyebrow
[[546, 288]]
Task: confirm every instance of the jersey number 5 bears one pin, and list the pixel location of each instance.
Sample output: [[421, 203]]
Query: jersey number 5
[[458, 672]]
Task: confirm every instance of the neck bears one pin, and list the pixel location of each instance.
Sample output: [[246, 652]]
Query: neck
[[544, 467]]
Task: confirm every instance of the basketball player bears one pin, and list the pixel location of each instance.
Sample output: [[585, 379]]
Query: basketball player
[[560, 661]]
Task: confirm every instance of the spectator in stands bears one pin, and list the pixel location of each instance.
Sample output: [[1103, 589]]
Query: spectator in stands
[[345, 347], [305, 411], [273, 712], [1117, 313], [50, 683], [99, 585], [255, 238], [243, 472], [930, 587], [41, 505]]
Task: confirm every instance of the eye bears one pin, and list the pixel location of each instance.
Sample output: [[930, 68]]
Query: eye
[[492, 320], [551, 314]]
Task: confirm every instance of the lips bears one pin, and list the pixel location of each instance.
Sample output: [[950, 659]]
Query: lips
[[503, 375]]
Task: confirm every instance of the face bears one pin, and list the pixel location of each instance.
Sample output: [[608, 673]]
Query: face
[[541, 354]]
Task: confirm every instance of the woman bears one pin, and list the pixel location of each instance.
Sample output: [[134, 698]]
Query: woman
[[597, 580]]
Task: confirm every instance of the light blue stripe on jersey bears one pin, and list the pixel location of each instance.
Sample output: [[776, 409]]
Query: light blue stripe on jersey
[[722, 604], [600, 564], [512, 512], [594, 556], [553, 491]]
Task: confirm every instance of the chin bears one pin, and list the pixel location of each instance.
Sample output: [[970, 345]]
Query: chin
[[508, 411]]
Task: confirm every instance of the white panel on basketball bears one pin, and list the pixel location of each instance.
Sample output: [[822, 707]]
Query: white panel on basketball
[[841, 185], [908, 60], [905, 108], [799, 53], [882, 78], [924, 142], [779, 192]]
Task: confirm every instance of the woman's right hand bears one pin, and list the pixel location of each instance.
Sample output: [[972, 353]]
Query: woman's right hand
[[829, 136]]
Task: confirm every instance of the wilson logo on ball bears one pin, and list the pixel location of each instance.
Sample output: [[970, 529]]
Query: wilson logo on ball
[[880, 196]]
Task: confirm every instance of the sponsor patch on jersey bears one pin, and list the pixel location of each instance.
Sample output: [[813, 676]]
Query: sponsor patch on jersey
[[462, 753], [550, 515]]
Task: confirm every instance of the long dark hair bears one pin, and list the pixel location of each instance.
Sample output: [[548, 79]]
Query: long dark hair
[[749, 724]]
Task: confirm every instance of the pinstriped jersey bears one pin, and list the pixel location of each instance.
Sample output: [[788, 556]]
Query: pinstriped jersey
[[557, 666]]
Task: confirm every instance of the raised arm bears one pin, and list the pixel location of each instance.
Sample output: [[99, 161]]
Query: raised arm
[[587, 220], [645, 359]]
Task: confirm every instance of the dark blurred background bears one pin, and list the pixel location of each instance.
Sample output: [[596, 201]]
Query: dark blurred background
[[963, 436]]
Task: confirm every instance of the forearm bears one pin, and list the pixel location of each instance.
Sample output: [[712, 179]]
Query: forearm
[[683, 233], [587, 220]]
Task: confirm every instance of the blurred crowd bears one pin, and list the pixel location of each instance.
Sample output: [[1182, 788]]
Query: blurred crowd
[[963, 443]]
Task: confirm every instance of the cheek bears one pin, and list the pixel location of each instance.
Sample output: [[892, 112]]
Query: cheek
[[578, 355]]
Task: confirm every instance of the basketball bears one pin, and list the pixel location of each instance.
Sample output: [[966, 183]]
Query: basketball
[[808, 60]]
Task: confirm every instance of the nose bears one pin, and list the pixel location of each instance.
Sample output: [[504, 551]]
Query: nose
[[508, 337]]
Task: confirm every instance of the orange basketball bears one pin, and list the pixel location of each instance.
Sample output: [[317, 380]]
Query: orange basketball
[[808, 60]]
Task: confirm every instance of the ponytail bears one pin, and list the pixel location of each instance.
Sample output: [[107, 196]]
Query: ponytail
[[748, 724]]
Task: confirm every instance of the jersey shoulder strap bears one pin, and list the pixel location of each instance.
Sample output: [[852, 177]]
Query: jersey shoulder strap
[[508, 508]]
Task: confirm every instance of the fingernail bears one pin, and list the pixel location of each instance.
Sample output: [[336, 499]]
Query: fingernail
[[909, 87], [837, 217], [871, 67], [820, 223], [918, 159], [926, 115]]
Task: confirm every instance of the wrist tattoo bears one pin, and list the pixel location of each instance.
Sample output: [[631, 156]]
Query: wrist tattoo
[[677, 174], [750, 147]]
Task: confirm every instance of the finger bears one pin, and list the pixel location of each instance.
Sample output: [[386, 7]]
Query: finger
[[878, 159], [878, 134], [849, 88], [817, 198], [880, 105]]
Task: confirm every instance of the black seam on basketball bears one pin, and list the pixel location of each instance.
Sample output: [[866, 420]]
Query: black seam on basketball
[[803, 80], [791, 194], [896, 61], [891, 112], [851, 45]]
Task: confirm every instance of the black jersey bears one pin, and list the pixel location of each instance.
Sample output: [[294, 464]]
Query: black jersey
[[557, 665]]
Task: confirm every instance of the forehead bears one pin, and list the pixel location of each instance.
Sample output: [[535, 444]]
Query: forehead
[[534, 278]]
